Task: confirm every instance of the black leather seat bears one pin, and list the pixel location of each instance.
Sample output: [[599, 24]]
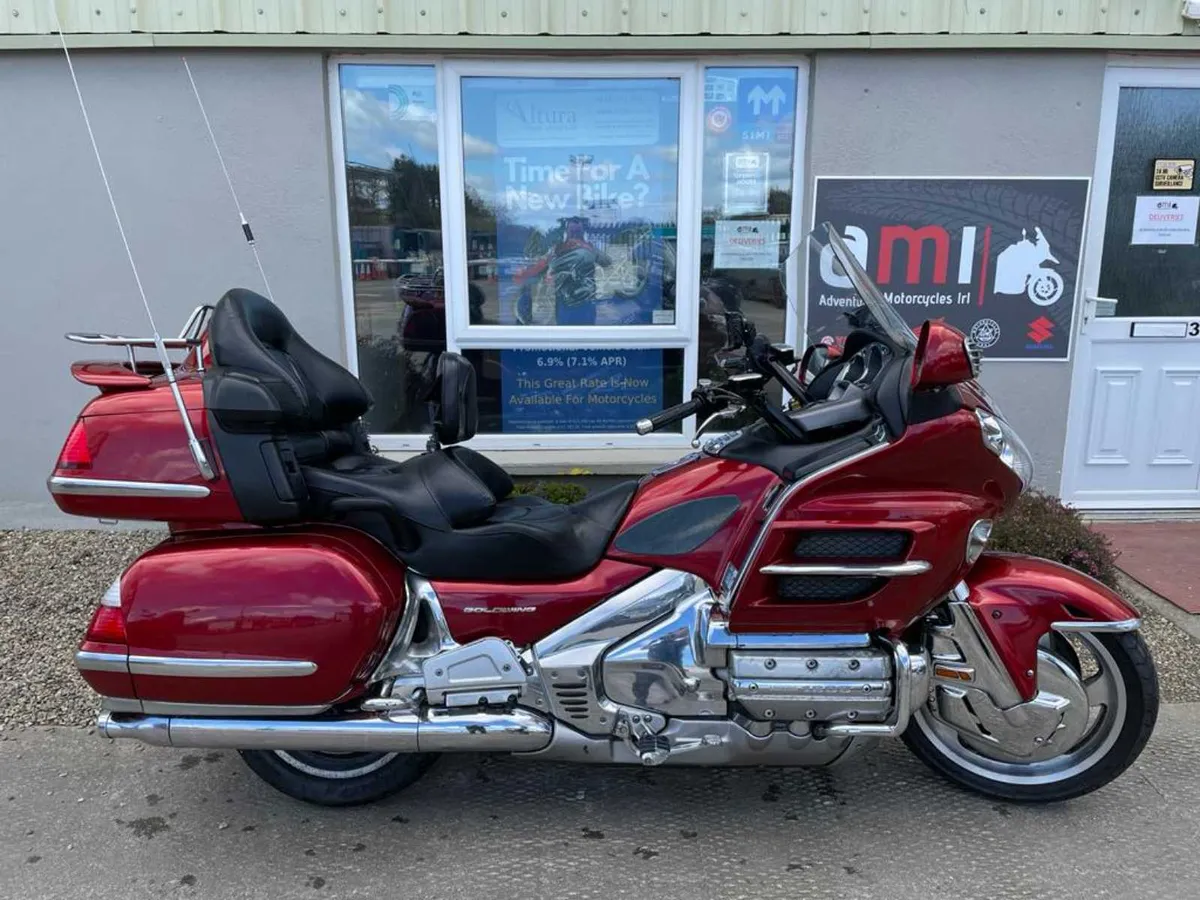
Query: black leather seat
[[449, 513]]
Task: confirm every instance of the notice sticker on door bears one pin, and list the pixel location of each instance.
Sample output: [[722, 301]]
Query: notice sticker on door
[[1174, 174], [1160, 221]]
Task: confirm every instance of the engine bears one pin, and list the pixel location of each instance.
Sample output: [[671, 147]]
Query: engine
[[814, 686]]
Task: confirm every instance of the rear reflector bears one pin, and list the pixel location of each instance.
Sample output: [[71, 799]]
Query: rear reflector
[[108, 626], [75, 453]]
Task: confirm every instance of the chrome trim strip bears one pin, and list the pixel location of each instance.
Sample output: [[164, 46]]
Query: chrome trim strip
[[220, 668], [781, 501], [393, 659], [1098, 627], [104, 487], [88, 661], [717, 636], [163, 708], [912, 567]]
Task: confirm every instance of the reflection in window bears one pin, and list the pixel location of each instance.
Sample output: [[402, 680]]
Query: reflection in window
[[749, 130], [570, 193], [389, 119]]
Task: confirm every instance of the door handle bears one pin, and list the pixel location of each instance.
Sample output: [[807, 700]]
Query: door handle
[[1095, 307]]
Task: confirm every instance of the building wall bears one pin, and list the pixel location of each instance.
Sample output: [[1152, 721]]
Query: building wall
[[968, 115], [61, 260]]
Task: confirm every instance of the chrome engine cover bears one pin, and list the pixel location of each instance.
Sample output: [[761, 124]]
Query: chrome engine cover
[[854, 685], [662, 667]]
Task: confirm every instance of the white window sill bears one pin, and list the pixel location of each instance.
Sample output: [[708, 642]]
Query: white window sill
[[607, 461]]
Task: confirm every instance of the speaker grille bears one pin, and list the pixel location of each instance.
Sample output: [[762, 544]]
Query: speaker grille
[[861, 543]]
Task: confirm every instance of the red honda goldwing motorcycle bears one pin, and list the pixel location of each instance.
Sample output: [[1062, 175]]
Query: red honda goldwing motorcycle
[[786, 595]]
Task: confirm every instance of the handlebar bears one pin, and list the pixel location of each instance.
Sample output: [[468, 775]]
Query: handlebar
[[670, 416]]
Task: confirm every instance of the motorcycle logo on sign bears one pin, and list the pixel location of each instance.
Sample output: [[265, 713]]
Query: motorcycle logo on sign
[[1019, 270], [985, 333]]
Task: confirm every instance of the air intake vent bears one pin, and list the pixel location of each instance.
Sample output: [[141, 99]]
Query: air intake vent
[[827, 588], [852, 544], [573, 698]]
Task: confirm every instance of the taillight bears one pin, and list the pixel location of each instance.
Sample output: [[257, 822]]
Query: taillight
[[108, 622], [75, 453]]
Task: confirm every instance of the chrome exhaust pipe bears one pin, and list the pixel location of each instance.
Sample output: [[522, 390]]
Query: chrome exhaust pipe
[[433, 731]]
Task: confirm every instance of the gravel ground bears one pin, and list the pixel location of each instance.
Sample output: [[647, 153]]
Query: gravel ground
[[51, 581]]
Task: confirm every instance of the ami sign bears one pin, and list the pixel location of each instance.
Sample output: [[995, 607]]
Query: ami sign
[[997, 258]]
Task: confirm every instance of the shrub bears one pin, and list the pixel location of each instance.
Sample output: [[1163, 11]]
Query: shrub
[[1040, 525], [554, 491]]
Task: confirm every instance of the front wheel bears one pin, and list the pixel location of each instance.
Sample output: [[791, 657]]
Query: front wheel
[[1121, 687], [337, 779]]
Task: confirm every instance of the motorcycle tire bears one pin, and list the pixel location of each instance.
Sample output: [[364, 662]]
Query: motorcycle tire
[[1139, 710], [337, 779]]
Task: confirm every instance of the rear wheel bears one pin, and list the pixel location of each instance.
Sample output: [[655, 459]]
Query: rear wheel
[[337, 779], [1121, 688]]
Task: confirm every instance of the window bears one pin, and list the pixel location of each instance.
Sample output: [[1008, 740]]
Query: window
[[749, 135], [390, 131], [576, 229]]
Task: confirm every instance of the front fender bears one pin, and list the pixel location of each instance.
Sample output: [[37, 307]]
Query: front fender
[[1017, 599]]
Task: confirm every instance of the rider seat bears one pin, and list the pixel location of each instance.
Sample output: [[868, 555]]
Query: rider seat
[[449, 513]]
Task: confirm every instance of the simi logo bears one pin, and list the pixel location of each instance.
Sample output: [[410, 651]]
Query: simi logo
[[1040, 331]]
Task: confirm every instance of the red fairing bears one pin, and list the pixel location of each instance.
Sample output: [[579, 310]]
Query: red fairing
[[1017, 598], [327, 595], [708, 476], [935, 482], [136, 435], [526, 613]]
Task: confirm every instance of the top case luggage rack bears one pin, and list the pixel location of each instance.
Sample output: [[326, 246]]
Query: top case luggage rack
[[191, 336]]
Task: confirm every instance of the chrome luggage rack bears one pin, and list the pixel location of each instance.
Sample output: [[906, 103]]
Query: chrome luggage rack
[[190, 337]]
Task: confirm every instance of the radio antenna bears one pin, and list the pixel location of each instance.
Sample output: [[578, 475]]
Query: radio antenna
[[198, 454], [229, 181]]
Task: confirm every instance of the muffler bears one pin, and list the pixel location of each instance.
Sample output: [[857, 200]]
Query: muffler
[[433, 731]]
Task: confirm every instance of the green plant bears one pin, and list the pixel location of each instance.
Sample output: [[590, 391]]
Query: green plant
[[554, 491], [1040, 525]]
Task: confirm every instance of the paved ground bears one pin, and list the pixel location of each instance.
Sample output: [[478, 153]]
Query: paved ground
[[1160, 555], [80, 817]]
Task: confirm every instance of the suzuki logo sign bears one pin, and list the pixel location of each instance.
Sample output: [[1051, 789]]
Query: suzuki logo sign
[[993, 255]]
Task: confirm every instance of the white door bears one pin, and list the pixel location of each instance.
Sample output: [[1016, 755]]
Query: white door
[[1133, 433]]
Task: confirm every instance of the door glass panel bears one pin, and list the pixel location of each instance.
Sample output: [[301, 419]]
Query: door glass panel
[[1151, 264], [570, 200], [389, 124], [749, 131]]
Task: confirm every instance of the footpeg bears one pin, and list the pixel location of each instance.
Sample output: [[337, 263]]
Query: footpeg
[[653, 749]]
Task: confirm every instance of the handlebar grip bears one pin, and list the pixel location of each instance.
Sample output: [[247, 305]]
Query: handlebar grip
[[669, 416]]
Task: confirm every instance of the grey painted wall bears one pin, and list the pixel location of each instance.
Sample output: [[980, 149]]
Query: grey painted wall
[[62, 266], [967, 114]]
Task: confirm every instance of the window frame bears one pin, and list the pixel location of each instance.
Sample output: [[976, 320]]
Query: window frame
[[684, 334]]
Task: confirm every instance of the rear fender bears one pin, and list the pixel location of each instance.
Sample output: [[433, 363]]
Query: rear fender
[[1017, 599]]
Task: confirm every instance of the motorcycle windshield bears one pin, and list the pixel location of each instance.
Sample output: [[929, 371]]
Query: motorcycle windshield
[[829, 247]]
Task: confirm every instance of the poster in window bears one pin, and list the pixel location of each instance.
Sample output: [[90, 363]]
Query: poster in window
[[997, 258], [578, 178]]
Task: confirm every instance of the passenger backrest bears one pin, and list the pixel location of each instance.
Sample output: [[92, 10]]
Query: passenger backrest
[[253, 340]]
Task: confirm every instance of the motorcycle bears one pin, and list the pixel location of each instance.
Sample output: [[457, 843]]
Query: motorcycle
[[787, 594]]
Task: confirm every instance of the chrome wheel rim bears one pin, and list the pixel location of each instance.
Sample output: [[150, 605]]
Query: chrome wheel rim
[[335, 766], [1108, 707]]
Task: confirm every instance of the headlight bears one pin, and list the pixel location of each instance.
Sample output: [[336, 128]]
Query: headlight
[[999, 437]]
